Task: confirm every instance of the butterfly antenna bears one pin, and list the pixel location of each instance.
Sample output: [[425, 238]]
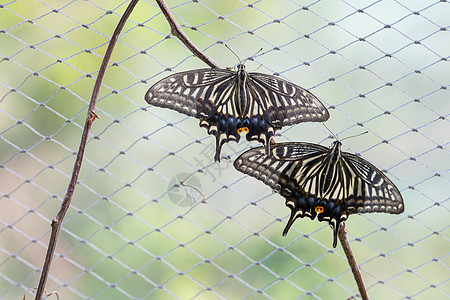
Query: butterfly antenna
[[335, 136], [240, 61], [352, 136], [260, 65], [252, 56]]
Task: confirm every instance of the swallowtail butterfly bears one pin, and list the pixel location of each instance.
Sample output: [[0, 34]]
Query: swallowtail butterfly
[[323, 182], [229, 103]]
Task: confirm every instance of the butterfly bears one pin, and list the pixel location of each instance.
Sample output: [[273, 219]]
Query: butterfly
[[323, 182], [229, 103]]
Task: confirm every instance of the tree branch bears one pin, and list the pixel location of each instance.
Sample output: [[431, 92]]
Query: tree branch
[[91, 116], [175, 29], [342, 234]]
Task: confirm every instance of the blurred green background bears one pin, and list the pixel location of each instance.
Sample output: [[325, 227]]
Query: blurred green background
[[131, 233]]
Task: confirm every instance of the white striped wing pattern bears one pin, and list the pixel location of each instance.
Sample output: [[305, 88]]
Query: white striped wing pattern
[[229, 103], [323, 182]]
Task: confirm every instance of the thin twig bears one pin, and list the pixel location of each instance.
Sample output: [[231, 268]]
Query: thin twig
[[91, 116], [191, 186], [351, 261], [45, 291], [175, 29]]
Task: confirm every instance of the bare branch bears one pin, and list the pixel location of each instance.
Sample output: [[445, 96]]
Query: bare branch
[[91, 116], [175, 29], [351, 261], [193, 187]]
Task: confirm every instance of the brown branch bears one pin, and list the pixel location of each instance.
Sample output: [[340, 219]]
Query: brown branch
[[56, 223], [351, 261], [91, 116], [193, 187], [175, 29]]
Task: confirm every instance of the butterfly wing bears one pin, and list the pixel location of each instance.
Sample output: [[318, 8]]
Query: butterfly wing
[[380, 194], [204, 94], [276, 103], [193, 93], [260, 104], [286, 103], [294, 170], [256, 163], [322, 182]]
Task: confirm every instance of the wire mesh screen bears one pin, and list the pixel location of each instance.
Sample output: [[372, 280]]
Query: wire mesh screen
[[134, 232]]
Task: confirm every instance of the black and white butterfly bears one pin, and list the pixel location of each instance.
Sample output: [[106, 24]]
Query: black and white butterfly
[[229, 103], [323, 182]]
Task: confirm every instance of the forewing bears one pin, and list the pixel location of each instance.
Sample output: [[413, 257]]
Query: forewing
[[205, 94], [381, 195], [194, 93], [256, 163], [286, 103], [297, 151]]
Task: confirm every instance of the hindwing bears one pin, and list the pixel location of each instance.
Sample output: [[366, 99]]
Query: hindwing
[[229, 103]]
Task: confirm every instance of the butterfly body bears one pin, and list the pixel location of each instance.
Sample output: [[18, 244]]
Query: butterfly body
[[229, 103], [321, 182], [241, 99]]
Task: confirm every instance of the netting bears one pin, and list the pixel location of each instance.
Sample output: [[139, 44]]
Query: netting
[[133, 232]]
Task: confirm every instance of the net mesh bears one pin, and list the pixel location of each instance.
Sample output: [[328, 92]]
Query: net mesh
[[133, 231]]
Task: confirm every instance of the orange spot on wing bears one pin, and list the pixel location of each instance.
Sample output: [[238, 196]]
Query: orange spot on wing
[[243, 129], [319, 209]]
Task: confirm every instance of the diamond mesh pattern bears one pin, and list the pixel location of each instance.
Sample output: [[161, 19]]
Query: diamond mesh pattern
[[133, 232]]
